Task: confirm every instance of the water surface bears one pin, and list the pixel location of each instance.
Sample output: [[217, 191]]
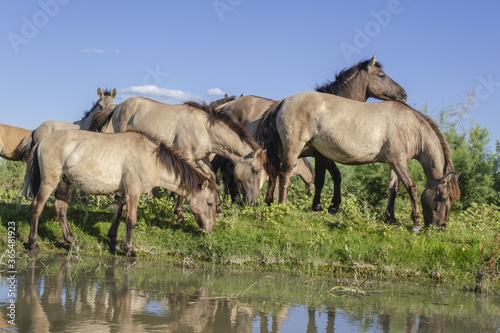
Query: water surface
[[124, 295]]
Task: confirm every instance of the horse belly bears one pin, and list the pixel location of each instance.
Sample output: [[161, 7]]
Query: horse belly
[[348, 149], [94, 180]]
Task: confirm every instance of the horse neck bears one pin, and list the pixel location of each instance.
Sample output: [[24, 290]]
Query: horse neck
[[227, 143], [431, 157], [355, 88]]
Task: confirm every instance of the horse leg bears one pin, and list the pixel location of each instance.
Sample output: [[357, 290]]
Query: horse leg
[[63, 196], [288, 163], [306, 173], [319, 181], [337, 180], [393, 191], [36, 210], [113, 230], [131, 222], [178, 209], [403, 173]]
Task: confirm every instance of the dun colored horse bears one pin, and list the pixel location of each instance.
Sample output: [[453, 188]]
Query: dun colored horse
[[10, 140], [199, 131], [99, 163], [102, 105], [364, 80], [352, 132]]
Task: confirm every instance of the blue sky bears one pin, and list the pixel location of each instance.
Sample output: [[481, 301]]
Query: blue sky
[[56, 53]]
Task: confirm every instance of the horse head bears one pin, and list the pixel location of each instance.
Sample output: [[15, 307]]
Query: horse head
[[379, 85], [437, 199], [203, 206], [106, 99], [248, 175]]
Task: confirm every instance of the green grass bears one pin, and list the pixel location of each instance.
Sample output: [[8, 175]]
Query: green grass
[[292, 239]]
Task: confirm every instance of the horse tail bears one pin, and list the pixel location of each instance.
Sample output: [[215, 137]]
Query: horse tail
[[268, 137], [34, 178], [25, 147]]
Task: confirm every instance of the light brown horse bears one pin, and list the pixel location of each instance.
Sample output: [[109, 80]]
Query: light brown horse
[[10, 140], [351, 132], [361, 81], [98, 163], [104, 104], [199, 131]]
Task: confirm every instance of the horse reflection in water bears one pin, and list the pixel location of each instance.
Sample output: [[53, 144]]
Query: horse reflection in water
[[104, 297]]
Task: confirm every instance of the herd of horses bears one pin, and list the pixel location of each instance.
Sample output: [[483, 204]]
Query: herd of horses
[[140, 144]]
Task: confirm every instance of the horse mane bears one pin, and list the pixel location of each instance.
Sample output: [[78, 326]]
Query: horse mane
[[190, 177], [222, 101], [338, 86], [100, 120], [453, 187], [213, 116]]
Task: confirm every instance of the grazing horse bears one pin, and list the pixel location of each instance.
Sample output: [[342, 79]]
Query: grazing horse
[[199, 131], [10, 142], [99, 163], [102, 105], [364, 80], [352, 132]]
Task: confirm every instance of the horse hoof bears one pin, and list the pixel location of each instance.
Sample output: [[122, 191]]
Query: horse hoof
[[317, 208], [416, 228], [394, 221], [332, 210], [131, 254]]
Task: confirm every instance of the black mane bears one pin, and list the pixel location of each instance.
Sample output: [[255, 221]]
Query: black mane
[[338, 86]]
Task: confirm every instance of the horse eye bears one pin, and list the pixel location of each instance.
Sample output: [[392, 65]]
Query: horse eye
[[382, 76], [255, 172], [210, 204]]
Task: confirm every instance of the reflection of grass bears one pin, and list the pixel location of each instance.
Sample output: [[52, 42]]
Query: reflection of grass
[[292, 239]]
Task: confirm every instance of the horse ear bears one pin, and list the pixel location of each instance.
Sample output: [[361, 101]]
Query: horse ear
[[373, 60], [113, 93], [447, 178], [226, 96], [241, 95], [204, 186], [256, 152], [99, 92]]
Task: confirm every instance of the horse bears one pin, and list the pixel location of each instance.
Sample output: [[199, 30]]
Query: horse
[[351, 132], [101, 106], [199, 131], [132, 162], [359, 82], [10, 142]]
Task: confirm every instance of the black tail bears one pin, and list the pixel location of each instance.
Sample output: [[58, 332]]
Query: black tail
[[269, 139], [25, 147], [35, 177]]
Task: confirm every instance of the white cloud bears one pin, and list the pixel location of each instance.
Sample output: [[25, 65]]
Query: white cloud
[[215, 91], [92, 51], [169, 96]]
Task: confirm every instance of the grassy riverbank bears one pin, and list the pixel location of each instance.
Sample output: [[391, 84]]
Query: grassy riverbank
[[293, 239]]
